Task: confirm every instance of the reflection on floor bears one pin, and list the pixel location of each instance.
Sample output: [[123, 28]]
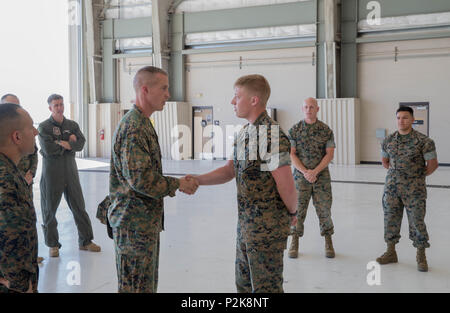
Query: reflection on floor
[[198, 246]]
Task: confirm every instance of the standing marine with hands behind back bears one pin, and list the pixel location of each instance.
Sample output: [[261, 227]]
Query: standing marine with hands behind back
[[266, 195], [409, 157]]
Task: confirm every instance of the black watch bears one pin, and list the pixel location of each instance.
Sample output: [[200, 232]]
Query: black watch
[[293, 214]]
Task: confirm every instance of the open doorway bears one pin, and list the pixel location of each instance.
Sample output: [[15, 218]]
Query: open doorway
[[34, 59]]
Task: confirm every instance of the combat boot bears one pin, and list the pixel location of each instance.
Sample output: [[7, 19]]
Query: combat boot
[[293, 249], [422, 265], [390, 256], [54, 252], [329, 250]]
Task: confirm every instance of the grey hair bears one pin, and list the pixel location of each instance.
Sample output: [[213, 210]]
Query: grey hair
[[147, 70], [54, 97]]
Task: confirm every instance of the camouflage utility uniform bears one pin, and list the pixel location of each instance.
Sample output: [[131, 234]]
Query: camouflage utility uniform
[[263, 220], [310, 142], [29, 163], [60, 175], [18, 234], [405, 185], [136, 214]]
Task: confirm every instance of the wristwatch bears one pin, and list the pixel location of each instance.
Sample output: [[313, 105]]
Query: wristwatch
[[293, 214]]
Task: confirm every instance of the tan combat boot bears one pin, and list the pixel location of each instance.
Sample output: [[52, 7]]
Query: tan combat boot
[[390, 256], [422, 265], [54, 252], [92, 247], [329, 250], [293, 249]]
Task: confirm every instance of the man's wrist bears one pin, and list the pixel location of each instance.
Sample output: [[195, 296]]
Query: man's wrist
[[293, 213]]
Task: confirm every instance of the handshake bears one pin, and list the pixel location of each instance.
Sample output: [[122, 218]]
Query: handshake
[[188, 184]]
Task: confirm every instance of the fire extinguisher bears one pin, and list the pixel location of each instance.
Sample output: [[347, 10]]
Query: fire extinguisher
[[102, 134]]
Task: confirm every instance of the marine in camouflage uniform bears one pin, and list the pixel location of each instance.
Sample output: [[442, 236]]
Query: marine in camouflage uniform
[[405, 185], [29, 164], [310, 142], [409, 156], [263, 219], [136, 214], [18, 234]]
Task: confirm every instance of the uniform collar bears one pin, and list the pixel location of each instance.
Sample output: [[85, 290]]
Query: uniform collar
[[55, 122], [309, 125], [8, 161], [411, 134], [262, 116]]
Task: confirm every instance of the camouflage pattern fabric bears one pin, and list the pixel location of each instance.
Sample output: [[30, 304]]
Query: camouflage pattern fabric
[[60, 176], [258, 271], [310, 142], [405, 185], [137, 261], [29, 163], [263, 220], [320, 192], [102, 215], [18, 234], [137, 188]]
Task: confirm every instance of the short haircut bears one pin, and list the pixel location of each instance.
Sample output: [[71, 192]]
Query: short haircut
[[54, 97], [2, 100], [146, 74], [10, 120], [255, 84], [405, 109]]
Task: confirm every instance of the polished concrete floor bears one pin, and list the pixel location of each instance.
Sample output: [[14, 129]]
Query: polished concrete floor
[[198, 246]]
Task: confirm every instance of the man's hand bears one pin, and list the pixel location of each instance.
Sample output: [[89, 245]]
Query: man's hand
[[73, 138], [310, 176], [7, 284], [64, 144], [188, 185], [4, 282], [29, 178], [294, 220]]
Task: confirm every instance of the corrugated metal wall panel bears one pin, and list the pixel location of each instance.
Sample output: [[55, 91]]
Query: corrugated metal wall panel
[[174, 114], [106, 117], [342, 116]]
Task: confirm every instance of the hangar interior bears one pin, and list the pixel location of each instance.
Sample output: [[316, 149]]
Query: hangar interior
[[361, 59]]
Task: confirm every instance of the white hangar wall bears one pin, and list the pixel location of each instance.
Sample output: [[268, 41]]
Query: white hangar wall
[[420, 74], [291, 74]]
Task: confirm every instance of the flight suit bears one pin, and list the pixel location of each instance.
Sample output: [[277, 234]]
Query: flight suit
[[60, 176]]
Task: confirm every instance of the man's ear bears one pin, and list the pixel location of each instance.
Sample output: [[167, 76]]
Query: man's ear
[[16, 137], [50, 108], [255, 100]]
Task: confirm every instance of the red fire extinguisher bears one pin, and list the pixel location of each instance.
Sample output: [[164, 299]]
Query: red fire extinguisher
[[102, 134]]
